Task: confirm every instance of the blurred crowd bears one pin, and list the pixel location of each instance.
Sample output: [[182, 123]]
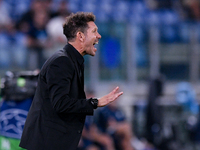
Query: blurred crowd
[[31, 30], [27, 36], [187, 9]]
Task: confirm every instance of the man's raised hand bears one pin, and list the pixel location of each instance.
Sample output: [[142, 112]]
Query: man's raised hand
[[112, 96]]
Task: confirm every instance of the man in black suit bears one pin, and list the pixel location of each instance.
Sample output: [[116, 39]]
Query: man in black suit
[[57, 115]]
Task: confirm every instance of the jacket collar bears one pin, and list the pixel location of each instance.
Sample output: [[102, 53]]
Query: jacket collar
[[75, 55], [77, 58]]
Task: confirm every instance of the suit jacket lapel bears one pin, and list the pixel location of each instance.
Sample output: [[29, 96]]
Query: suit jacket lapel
[[79, 72], [66, 50]]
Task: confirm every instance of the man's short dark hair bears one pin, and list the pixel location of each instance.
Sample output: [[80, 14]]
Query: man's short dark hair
[[76, 22]]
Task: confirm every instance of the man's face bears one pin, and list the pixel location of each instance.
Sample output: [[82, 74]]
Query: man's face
[[91, 38]]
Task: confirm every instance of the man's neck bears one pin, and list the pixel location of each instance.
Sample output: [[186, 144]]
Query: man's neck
[[78, 47]]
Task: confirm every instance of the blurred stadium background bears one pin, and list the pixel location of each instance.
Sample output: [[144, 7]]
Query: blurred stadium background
[[143, 42]]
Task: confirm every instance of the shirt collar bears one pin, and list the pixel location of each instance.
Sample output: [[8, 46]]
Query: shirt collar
[[74, 54]]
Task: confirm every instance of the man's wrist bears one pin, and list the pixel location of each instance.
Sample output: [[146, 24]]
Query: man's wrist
[[94, 102]]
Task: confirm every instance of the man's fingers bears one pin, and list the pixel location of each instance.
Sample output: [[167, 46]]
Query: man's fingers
[[112, 96], [120, 93], [115, 94], [115, 90]]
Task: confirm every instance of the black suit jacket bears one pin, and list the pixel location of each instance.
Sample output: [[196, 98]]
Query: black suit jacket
[[57, 115]]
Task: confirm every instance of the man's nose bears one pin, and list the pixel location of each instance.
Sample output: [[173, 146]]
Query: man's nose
[[98, 36]]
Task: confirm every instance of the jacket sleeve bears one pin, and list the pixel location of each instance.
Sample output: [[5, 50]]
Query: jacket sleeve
[[59, 79]]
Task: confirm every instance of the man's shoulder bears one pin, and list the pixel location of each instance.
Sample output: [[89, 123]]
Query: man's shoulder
[[58, 55]]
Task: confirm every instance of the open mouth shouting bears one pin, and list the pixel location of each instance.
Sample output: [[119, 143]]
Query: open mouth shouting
[[94, 44]]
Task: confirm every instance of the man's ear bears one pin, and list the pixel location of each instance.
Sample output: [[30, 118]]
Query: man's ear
[[80, 36]]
